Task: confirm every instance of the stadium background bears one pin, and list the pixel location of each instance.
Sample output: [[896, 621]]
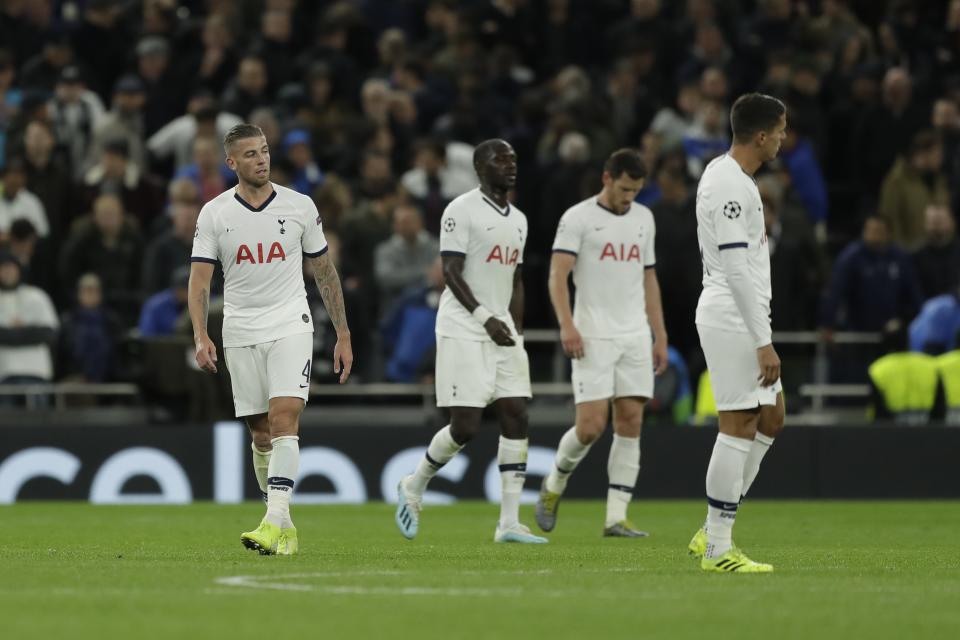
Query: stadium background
[[111, 113]]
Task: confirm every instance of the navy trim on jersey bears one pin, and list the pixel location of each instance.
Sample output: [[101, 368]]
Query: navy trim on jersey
[[567, 251], [318, 253], [609, 210], [502, 212], [207, 260], [453, 254], [250, 206], [733, 245], [650, 266]]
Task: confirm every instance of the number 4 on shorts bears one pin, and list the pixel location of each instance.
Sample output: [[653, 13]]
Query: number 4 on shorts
[[306, 375]]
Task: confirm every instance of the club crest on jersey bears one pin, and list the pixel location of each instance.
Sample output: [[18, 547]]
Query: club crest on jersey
[[281, 222], [504, 255], [620, 253], [275, 252], [732, 210]]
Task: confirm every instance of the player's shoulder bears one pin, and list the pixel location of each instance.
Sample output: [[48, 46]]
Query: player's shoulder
[[642, 212], [583, 208], [216, 205], [464, 201], [294, 199]]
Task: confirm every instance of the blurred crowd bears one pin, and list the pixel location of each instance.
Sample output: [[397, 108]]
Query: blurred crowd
[[112, 113]]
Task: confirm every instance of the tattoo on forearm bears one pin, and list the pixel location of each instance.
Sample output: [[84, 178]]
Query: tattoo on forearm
[[328, 283]]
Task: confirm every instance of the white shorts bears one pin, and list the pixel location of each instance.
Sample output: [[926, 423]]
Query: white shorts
[[471, 373], [614, 368], [269, 370], [734, 370]]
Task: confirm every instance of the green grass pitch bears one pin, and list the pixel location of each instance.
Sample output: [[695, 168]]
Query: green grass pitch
[[843, 570]]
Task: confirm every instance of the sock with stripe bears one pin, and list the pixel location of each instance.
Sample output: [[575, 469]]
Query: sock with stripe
[[761, 444], [261, 461], [281, 474], [512, 457], [623, 466], [441, 450], [570, 452], [724, 484]]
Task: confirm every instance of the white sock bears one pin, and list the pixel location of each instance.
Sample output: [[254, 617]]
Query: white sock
[[512, 456], [441, 450], [724, 483], [261, 460], [570, 452], [281, 474], [761, 444], [623, 466]]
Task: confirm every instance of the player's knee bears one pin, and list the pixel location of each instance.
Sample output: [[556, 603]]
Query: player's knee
[[261, 440], [628, 425], [773, 426], [590, 428], [463, 432], [514, 427], [284, 423]]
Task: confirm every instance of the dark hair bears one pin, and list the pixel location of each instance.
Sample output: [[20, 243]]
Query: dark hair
[[923, 141], [625, 161], [753, 113], [240, 132], [22, 229]]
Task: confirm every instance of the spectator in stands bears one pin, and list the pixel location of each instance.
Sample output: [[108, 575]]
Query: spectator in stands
[[75, 113], [202, 119], [35, 268], [10, 98], [433, 181], [161, 310], [800, 158], [402, 261], [110, 246], [935, 329], [115, 174], [408, 328], [677, 251], [28, 328], [306, 175], [125, 121], [101, 37], [17, 203], [91, 332], [707, 138], [938, 260], [216, 63], [248, 91], [163, 85], [915, 181], [873, 286], [207, 171], [171, 249], [670, 123], [43, 70], [47, 177], [883, 132], [796, 264], [369, 223], [275, 45]]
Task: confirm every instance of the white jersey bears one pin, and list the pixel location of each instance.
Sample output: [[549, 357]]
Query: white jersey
[[613, 251], [491, 240], [730, 216], [261, 250]]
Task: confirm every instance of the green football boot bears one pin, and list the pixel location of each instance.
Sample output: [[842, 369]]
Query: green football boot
[[265, 539]]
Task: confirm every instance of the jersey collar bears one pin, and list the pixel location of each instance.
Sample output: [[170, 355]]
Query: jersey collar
[[250, 206], [503, 212], [609, 210]]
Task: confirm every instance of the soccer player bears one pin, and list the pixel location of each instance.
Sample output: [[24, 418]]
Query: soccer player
[[260, 232], [480, 354], [733, 320], [606, 241]]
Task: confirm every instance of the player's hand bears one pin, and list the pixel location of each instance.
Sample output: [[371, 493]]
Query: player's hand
[[769, 365], [206, 354], [343, 357], [660, 357], [572, 342], [499, 331]]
